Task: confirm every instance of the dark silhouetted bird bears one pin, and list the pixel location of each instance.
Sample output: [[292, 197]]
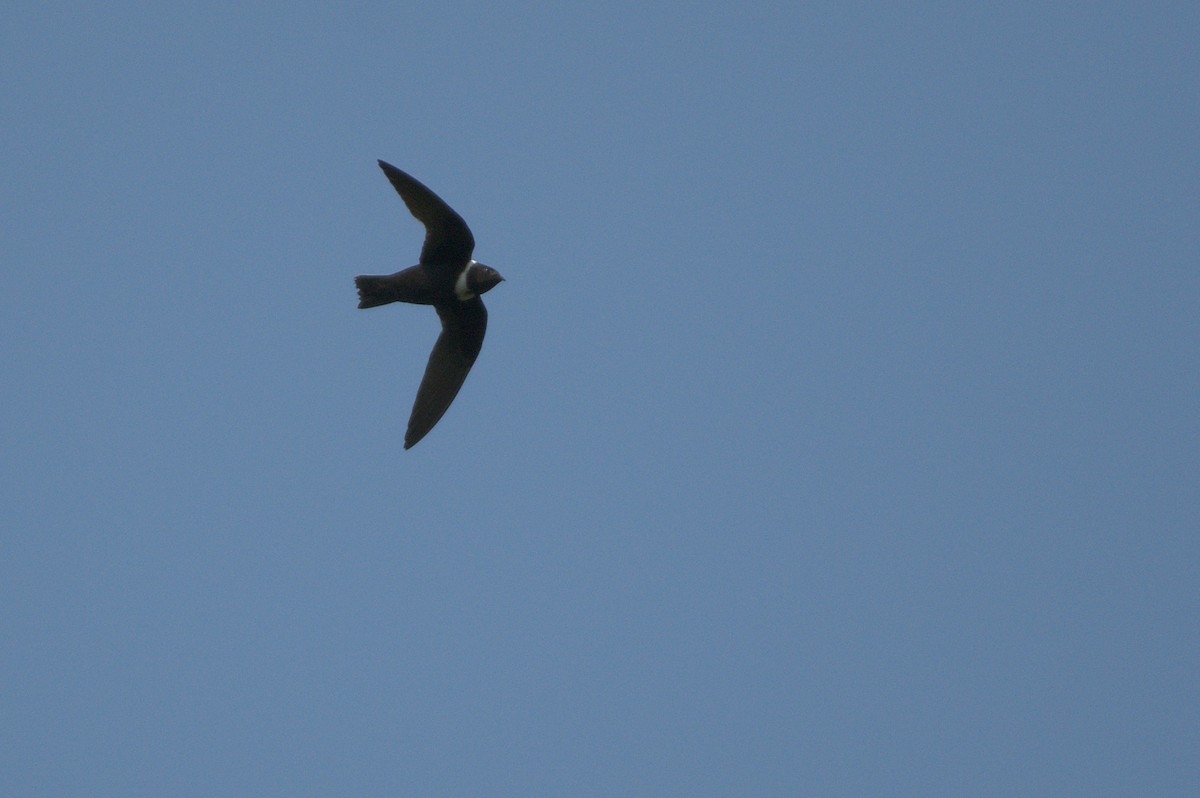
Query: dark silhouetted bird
[[450, 280]]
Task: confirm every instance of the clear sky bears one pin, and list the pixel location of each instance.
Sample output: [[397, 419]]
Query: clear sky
[[836, 431]]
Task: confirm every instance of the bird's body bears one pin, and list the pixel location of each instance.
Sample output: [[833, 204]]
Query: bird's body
[[450, 280]]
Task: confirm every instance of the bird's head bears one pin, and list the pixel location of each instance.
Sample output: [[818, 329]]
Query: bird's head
[[482, 279]]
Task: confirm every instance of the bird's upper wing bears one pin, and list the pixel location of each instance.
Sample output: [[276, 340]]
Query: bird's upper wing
[[448, 240], [463, 327]]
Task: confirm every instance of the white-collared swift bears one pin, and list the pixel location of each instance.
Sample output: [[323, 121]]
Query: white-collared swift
[[446, 277]]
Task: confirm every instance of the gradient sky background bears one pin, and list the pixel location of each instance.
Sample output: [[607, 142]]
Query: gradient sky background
[[836, 432]]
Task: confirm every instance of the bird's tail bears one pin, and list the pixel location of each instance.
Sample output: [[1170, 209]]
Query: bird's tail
[[374, 291]]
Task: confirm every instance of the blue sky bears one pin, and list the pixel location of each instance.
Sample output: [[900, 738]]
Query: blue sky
[[835, 432]]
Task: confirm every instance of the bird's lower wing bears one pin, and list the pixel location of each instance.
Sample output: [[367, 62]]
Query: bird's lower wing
[[463, 328]]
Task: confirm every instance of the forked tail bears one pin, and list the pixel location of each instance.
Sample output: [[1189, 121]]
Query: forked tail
[[374, 291]]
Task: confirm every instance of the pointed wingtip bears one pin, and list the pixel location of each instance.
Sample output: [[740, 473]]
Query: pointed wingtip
[[411, 439]]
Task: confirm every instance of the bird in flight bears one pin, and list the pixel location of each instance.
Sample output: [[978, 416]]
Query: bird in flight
[[446, 277]]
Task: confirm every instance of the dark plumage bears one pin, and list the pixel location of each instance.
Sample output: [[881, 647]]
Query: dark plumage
[[450, 280]]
